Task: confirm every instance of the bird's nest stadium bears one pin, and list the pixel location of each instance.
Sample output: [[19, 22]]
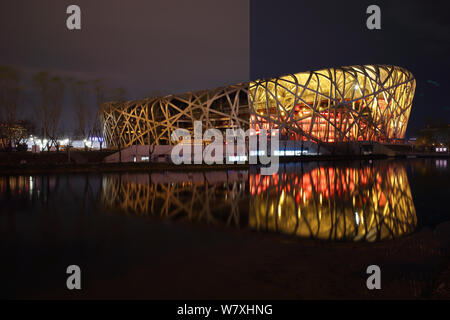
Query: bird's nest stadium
[[369, 103]]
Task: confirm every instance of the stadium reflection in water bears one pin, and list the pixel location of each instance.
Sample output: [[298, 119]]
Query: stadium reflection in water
[[213, 197], [362, 203], [370, 203]]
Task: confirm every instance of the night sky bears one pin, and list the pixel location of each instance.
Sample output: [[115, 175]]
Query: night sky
[[295, 36], [148, 47], [164, 47]]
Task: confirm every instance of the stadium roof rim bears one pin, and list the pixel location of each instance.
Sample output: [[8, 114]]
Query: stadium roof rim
[[127, 103]]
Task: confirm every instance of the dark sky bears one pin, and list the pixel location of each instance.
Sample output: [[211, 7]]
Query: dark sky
[[152, 46], [295, 36], [173, 46]]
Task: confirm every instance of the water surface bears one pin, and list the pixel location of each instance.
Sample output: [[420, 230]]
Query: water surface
[[357, 201], [148, 225]]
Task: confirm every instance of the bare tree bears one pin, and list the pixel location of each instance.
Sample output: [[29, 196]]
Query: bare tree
[[19, 133], [99, 92], [41, 81], [49, 109], [81, 95], [56, 97], [9, 101]]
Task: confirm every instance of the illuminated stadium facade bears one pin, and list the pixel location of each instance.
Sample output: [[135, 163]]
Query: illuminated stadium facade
[[336, 105]]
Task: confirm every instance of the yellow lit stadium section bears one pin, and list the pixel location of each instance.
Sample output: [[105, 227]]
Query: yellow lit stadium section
[[151, 121], [355, 103]]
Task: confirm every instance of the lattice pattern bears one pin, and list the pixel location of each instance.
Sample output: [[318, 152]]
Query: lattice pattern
[[152, 121], [199, 201], [331, 203], [357, 103]]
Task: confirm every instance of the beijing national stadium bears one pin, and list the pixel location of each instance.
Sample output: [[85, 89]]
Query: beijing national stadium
[[321, 110]]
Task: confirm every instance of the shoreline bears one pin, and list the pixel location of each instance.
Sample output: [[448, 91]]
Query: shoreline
[[100, 167]]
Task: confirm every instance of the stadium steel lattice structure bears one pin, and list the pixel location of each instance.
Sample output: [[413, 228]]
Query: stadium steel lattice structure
[[152, 121], [355, 103]]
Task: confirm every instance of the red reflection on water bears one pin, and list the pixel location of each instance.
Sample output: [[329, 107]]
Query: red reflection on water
[[325, 181]]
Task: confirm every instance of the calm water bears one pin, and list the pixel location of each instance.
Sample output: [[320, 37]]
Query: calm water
[[357, 201], [114, 222]]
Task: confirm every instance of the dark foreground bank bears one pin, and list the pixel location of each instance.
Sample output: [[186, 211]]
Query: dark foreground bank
[[176, 262]]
